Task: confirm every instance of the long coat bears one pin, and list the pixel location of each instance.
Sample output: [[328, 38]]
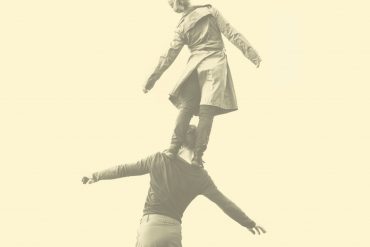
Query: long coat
[[200, 29]]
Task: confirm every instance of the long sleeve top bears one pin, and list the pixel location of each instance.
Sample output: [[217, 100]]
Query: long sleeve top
[[200, 29], [173, 185]]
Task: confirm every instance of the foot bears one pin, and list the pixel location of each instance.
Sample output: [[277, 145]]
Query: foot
[[197, 161]]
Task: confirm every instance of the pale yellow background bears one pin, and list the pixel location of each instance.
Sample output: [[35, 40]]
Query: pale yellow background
[[295, 156]]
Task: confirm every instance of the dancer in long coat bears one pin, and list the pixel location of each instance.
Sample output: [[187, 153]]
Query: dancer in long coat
[[206, 86]]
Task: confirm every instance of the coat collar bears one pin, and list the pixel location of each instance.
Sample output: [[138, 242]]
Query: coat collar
[[191, 9]]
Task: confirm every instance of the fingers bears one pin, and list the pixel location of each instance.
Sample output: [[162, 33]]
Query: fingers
[[257, 61], [262, 229], [257, 229], [254, 57], [84, 180], [258, 64], [145, 90]]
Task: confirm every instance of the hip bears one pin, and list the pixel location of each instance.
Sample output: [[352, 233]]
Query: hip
[[158, 230], [159, 218]]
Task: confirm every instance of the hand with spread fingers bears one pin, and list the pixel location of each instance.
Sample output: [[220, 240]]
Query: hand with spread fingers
[[257, 229], [86, 180]]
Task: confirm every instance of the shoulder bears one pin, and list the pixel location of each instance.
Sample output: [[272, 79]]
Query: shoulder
[[213, 10], [160, 158], [154, 158], [189, 20], [209, 6], [202, 9], [209, 9]]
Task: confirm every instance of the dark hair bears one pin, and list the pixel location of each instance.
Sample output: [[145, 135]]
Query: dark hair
[[185, 3], [190, 137], [179, 5]]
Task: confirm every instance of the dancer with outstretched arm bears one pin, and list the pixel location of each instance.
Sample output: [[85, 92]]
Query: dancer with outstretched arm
[[174, 183], [206, 86]]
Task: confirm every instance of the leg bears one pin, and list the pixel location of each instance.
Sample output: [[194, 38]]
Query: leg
[[206, 115], [181, 127], [189, 98]]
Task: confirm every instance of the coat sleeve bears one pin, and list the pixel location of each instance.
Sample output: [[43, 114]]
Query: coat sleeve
[[140, 167], [233, 35], [166, 59], [228, 206]]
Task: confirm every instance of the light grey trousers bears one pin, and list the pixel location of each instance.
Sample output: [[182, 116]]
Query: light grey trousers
[[158, 231]]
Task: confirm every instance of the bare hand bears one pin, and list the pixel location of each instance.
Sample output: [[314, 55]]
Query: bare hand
[[145, 90], [254, 57], [256, 62], [86, 180], [257, 229]]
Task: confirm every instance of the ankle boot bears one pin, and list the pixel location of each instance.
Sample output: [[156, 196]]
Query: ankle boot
[[197, 160], [172, 151]]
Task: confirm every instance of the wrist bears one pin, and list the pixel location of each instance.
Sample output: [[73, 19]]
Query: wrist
[[251, 225], [94, 177]]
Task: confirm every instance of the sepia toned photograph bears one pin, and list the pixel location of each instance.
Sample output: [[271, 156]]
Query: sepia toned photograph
[[184, 123]]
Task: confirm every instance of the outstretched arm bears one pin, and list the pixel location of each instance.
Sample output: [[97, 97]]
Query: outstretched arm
[[165, 61], [133, 169], [236, 38], [231, 209]]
